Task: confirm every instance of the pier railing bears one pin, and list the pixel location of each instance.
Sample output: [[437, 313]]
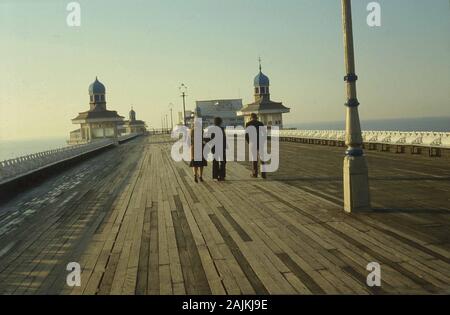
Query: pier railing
[[416, 142], [426, 139], [413, 138], [434, 144], [23, 165]]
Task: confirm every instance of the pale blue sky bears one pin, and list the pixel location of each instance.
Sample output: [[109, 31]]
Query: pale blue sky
[[143, 50]]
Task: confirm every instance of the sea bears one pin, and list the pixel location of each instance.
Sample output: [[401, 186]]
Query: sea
[[14, 148]]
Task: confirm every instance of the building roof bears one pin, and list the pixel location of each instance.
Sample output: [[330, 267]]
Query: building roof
[[97, 87], [264, 105], [99, 114]]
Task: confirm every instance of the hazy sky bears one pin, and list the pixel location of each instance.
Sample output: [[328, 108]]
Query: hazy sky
[[143, 50]]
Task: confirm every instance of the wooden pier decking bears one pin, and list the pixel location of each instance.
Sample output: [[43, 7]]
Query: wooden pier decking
[[138, 224]]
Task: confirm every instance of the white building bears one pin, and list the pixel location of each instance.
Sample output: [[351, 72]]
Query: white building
[[226, 109], [98, 122]]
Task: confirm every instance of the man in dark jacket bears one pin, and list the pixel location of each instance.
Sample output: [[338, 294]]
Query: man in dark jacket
[[219, 165], [257, 124]]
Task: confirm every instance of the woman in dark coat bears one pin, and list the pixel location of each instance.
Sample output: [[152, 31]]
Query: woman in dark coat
[[219, 164], [197, 166]]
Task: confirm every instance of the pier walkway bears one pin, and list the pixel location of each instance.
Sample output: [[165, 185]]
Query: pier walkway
[[138, 224]]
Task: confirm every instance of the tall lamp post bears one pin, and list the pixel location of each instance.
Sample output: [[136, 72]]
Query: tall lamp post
[[167, 124], [171, 116], [356, 179], [183, 90]]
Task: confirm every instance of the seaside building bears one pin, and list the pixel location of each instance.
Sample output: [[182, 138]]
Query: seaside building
[[270, 113], [98, 122], [133, 125], [226, 109]]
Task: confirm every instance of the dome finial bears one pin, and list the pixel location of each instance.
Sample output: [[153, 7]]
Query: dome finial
[[260, 67]]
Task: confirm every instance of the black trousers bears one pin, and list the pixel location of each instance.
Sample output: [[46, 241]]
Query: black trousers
[[218, 169], [255, 166]]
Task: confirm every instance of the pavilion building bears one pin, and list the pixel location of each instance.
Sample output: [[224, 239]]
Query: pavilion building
[[98, 122], [269, 113], [133, 125]]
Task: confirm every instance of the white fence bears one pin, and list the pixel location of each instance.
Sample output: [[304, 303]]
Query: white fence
[[413, 138], [428, 139], [22, 165]]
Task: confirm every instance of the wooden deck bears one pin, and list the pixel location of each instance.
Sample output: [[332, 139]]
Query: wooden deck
[[138, 224]]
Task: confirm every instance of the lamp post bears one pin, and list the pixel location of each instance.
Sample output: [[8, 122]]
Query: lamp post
[[171, 116], [167, 124], [183, 90], [356, 179]]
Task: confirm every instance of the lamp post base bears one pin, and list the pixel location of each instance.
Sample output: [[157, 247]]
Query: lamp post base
[[356, 184]]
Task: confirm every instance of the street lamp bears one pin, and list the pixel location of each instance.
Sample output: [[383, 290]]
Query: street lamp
[[171, 116], [356, 179], [167, 124], [183, 90]]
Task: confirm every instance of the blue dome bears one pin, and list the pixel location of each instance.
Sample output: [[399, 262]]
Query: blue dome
[[261, 80], [97, 87]]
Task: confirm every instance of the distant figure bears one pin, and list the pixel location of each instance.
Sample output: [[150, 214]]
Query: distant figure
[[197, 165], [218, 171], [255, 123]]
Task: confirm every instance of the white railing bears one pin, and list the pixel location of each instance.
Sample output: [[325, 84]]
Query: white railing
[[430, 139], [412, 138], [20, 166]]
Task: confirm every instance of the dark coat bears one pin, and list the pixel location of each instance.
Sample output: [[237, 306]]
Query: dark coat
[[224, 145], [256, 124]]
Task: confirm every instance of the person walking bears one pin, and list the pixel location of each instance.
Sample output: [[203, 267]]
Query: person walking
[[220, 160], [257, 124], [199, 163]]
